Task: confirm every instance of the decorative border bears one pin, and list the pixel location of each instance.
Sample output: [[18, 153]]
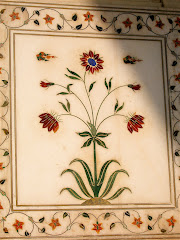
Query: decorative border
[[161, 224]]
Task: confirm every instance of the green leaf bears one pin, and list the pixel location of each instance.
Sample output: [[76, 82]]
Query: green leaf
[[103, 171], [116, 105], [120, 108], [93, 128], [99, 28], [6, 153], [87, 171], [100, 142], [106, 83], [41, 220], [68, 87], [71, 77], [79, 26], [5, 82], [65, 214], [63, 106], [68, 105], [74, 17], [73, 193], [5, 104], [73, 73], [86, 215], [112, 225], [84, 134], [111, 181], [110, 84], [91, 86], [106, 215], [118, 192], [6, 132], [79, 181], [62, 93], [82, 226], [102, 135], [87, 143]]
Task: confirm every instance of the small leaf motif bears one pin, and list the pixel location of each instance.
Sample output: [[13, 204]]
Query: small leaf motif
[[106, 215], [87, 143], [91, 86], [106, 84], [41, 220], [100, 142], [103, 18], [6, 153], [65, 214], [5, 104], [78, 27], [73, 73], [100, 29], [6, 132], [68, 105], [86, 215], [5, 82], [85, 134], [63, 105], [82, 226], [68, 87], [102, 135], [36, 22], [62, 93], [74, 17], [112, 225]]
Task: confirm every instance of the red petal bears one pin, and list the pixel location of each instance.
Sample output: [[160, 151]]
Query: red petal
[[83, 59], [56, 127], [84, 64], [92, 70], [43, 115], [100, 61], [137, 119], [91, 54], [85, 55], [47, 123], [87, 67], [129, 128], [99, 66], [96, 56], [134, 127], [51, 125]]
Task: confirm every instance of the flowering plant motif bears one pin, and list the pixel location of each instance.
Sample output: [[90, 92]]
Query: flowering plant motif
[[44, 56], [132, 60], [92, 62]]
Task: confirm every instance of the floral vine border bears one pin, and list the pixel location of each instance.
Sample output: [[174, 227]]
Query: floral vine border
[[157, 29]]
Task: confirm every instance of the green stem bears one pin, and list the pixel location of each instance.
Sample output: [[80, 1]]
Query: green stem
[[77, 98], [95, 171], [109, 117], [105, 99], [68, 114], [88, 97]]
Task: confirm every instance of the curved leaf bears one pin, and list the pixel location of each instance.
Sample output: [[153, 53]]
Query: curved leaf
[[86, 169], [73, 193], [91, 86], [87, 143], [84, 134], [102, 135], [103, 171], [118, 192], [79, 181], [111, 181], [73, 73], [100, 142]]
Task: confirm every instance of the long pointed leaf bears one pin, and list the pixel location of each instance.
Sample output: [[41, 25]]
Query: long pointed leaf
[[87, 171], [73, 73], [111, 181], [79, 181], [103, 171], [118, 192], [73, 193]]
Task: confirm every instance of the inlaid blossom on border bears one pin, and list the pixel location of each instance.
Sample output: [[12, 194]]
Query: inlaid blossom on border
[[134, 123], [1, 166], [137, 222], [48, 19], [54, 223], [127, 23], [49, 122], [46, 84], [177, 77], [0, 70], [176, 42], [159, 24], [42, 56], [171, 221], [178, 21], [92, 62], [134, 87], [1, 207], [14, 16], [97, 227], [18, 225], [88, 16]]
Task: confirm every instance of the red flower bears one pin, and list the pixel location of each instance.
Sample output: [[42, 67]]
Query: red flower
[[134, 123], [0, 70], [49, 122], [137, 222], [97, 227], [88, 16], [176, 42], [44, 56], [159, 24], [14, 16], [134, 87], [48, 19], [54, 223], [92, 62], [171, 221], [127, 23], [46, 84], [1, 166], [18, 225], [1, 207], [178, 21], [177, 78]]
